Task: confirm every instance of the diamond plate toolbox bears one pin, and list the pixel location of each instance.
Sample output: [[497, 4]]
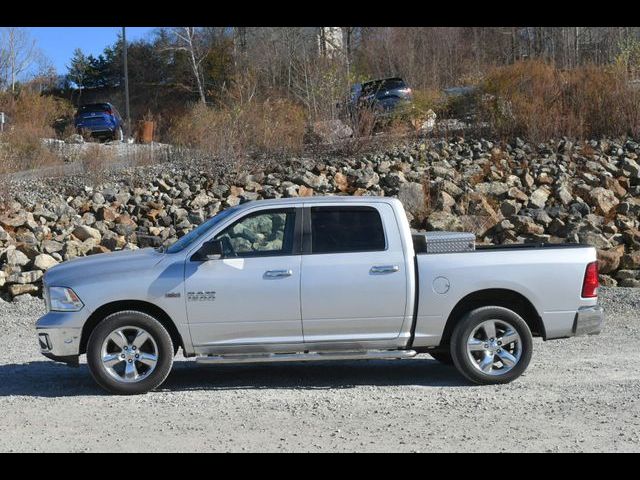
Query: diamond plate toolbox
[[444, 242]]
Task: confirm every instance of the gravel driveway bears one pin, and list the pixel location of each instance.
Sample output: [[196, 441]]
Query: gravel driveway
[[579, 394]]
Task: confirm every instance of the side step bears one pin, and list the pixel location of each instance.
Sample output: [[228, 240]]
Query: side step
[[307, 357]]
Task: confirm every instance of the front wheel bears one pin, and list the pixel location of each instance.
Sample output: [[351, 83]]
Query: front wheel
[[491, 345], [130, 353]]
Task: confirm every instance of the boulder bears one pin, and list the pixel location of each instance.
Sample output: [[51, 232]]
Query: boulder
[[341, 182], [538, 198], [609, 260], [631, 260], [329, 131], [444, 221], [413, 199], [84, 232], [526, 225], [604, 200], [19, 289], [492, 189], [25, 277], [44, 262], [52, 246], [16, 258]]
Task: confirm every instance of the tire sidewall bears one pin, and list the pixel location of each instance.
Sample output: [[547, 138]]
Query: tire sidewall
[[472, 320], [118, 135], [135, 319]]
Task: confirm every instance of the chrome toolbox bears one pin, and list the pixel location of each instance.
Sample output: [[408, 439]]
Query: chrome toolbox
[[444, 242]]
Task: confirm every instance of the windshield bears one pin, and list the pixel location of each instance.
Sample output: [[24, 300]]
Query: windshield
[[198, 232]]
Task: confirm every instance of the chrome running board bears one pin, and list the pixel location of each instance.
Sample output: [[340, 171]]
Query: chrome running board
[[307, 357]]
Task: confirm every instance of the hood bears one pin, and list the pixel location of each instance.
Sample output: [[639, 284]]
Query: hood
[[82, 269]]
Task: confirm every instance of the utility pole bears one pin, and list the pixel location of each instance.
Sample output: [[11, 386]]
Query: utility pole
[[126, 82]]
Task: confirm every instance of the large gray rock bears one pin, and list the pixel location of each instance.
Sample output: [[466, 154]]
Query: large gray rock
[[413, 199], [538, 198], [604, 200], [84, 232], [16, 258], [492, 189], [18, 289], [44, 262], [443, 221], [330, 131], [24, 277]]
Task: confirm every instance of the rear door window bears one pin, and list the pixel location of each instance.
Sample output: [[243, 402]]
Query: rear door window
[[346, 229]]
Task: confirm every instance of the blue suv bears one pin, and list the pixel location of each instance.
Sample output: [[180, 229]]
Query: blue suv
[[383, 97], [100, 120]]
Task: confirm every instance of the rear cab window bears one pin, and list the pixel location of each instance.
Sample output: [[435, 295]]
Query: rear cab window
[[346, 229], [94, 107]]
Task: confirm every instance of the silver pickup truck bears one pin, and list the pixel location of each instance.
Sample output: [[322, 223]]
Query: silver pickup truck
[[319, 278]]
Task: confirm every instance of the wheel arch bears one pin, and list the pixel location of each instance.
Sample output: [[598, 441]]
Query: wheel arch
[[138, 305], [498, 297]]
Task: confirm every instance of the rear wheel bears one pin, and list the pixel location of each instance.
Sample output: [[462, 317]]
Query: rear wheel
[[118, 135], [491, 345], [130, 353]]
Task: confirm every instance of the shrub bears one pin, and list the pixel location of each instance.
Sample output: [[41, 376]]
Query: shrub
[[536, 100], [238, 131], [32, 117]]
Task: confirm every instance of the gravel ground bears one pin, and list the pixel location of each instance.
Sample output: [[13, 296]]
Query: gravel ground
[[580, 394]]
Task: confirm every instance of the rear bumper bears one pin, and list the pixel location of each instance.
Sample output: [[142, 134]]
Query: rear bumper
[[588, 320], [96, 128]]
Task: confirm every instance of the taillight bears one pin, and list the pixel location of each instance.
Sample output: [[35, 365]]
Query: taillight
[[108, 112], [591, 283]]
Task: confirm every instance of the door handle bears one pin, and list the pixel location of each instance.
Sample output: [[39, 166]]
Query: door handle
[[381, 269], [277, 273]]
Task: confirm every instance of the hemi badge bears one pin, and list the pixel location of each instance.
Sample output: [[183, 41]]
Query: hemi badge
[[172, 295]]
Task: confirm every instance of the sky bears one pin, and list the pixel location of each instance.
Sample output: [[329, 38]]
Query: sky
[[58, 43]]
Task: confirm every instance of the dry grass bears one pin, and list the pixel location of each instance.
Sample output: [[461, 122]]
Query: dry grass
[[32, 117], [236, 132], [95, 162], [538, 101]]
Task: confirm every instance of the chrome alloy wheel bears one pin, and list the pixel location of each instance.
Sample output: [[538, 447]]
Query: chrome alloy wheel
[[494, 347], [129, 354]]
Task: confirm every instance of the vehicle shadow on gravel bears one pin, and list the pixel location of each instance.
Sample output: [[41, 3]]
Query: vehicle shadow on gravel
[[423, 372], [49, 379]]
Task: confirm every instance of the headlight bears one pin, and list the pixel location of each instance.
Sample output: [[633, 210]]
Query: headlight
[[63, 299]]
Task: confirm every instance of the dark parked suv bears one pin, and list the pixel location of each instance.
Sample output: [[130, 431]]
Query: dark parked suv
[[383, 96], [100, 120]]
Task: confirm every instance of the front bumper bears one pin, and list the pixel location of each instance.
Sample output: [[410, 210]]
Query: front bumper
[[588, 321], [59, 343], [59, 335]]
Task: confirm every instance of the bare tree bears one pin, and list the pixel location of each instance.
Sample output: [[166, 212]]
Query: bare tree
[[188, 39], [19, 52]]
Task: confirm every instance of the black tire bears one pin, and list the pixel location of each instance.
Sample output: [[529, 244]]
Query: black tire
[[118, 135], [154, 328], [442, 356], [465, 327]]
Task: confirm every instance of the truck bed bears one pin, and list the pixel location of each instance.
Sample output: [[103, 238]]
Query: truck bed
[[548, 275]]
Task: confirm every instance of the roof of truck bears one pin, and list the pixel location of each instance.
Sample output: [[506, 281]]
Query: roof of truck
[[320, 199]]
